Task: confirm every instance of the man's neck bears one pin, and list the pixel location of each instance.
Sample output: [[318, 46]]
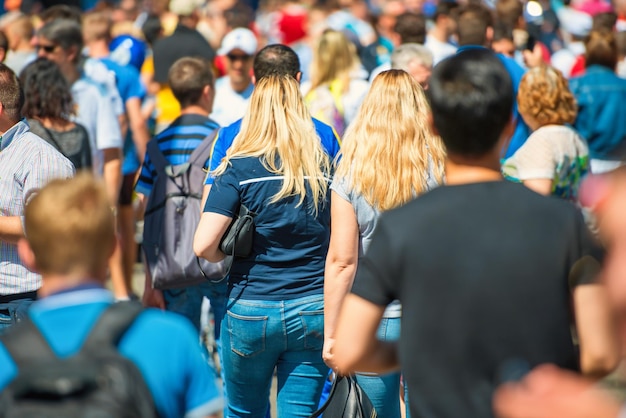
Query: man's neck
[[5, 125], [439, 34], [463, 170], [24, 46], [99, 49], [195, 110], [54, 283], [240, 87]]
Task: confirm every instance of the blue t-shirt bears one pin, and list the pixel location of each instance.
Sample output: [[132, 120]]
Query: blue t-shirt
[[177, 142], [290, 243], [129, 85], [226, 136], [164, 346]]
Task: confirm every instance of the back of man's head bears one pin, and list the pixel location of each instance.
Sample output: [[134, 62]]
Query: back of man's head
[[411, 28], [97, 27], [21, 29], [471, 98], [445, 8], [61, 11], [11, 94], [80, 240], [63, 32], [276, 59], [472, 24], [188, 78]]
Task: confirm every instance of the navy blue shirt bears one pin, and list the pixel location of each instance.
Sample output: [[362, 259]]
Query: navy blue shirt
[[290, 243]]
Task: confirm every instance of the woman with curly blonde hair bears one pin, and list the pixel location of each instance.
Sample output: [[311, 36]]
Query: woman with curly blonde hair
[[278, 169], [389, 156], [554, 159]]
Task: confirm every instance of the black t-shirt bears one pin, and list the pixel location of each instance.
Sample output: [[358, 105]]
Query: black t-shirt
[[482, 272], [73, 143]]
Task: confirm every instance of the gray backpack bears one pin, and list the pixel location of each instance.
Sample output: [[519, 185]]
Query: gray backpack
[[172, 215]]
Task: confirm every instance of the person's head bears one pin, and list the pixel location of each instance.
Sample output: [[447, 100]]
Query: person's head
[[192, 82], [604, 21], [444, 16], [544, 98], [334, 57], [474, 25], [511, 12], [47, 93], [19, 32], [277, 127], [61, 11], [152, 29], [240, 15], [239, 46], [503, 42], [188, 11], [386, 20], [276, 59], [4, 46], [61, 41], [391, 135], [601, 49], [80, 241], [471, 98], [97, 27], [415, 59], [410, 28], [11, 98]]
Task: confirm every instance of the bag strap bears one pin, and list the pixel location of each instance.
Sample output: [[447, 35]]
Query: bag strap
[[25, 342], [201, 149], [333, 389], [156, 156], [112, 325]]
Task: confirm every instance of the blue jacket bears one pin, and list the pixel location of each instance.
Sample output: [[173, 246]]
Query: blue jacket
[[601, 120]]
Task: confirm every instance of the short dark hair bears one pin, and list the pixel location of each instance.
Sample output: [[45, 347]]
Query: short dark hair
[[47, 92], [152, 29], [188, 77], [276, 59], [61, 11], [11, 93], [601, 49], [502, 30], [472, 23], [445, 8], [411, 27], [604, 21], [471, 98], [64, 32], [509, 11]]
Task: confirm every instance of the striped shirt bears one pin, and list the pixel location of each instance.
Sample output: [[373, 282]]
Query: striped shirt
[[177, 143], [27, 163]]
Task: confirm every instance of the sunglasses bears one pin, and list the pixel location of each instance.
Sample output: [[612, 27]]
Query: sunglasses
[[48, 49], [237, 57]]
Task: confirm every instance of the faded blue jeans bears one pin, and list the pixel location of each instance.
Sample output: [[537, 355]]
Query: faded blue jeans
[[259, 336], [12, 312], [384, 390]]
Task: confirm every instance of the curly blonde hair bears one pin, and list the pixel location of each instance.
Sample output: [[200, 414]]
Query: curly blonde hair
[[388, 150], [544, 95]]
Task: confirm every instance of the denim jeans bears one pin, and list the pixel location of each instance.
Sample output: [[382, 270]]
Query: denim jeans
[[384, 390], [13, 312], [260, 336]]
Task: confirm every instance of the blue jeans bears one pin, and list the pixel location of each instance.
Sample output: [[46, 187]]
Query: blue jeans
[[259, 336], [384, 390], [13, 312]]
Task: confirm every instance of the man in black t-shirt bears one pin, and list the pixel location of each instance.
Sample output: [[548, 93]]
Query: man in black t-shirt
[[487, 271]]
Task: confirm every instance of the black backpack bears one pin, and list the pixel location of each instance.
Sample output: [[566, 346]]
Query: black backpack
[[171, 218], [96, 382]]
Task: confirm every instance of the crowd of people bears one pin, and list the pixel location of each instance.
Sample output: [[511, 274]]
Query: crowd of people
[[436, 189]]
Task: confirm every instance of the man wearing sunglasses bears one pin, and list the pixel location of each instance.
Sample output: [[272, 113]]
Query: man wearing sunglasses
[[233, 91]]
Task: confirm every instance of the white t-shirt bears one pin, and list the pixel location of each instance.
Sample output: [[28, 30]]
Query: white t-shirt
[[229, 106], [95, 111], [551, 152], [440, 50]]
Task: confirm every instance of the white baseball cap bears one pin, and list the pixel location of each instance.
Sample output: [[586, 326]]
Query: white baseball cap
[[239, 38]]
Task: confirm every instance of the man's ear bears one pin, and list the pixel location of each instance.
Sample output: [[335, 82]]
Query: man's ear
[[299, 76], [26, 254], [489, 36], [72, 53], [253, 79], [209, 93]]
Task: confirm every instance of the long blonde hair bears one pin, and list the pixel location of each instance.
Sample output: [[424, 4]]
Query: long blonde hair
[[278, 128], [386, 149], [334, 58]]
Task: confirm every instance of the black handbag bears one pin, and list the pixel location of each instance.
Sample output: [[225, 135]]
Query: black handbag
[[346, 400], [237, 240]]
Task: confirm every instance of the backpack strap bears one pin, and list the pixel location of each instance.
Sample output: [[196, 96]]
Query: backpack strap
[[24, 342], [156, 156], [112, 325], [203, 148]]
